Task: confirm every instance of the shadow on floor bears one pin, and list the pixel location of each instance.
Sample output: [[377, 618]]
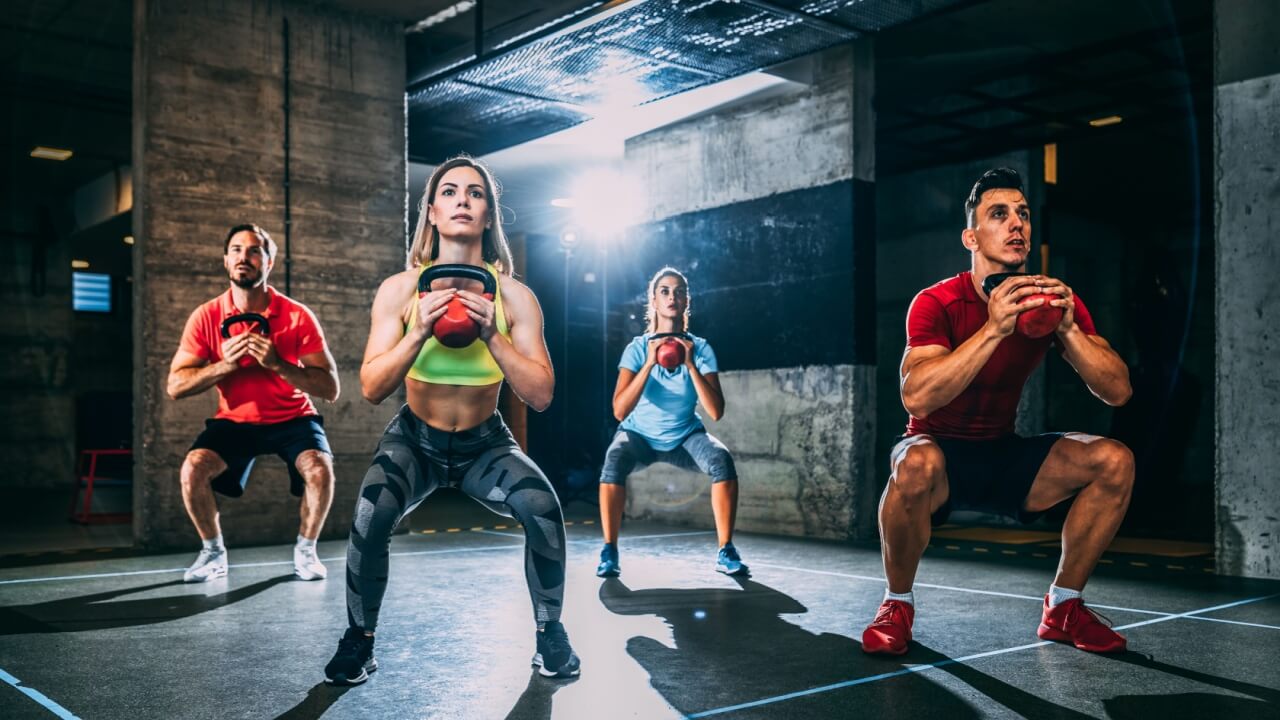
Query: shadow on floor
[[733, 646], [319, 699], [535, 702], [94, 612], [1198, 705]]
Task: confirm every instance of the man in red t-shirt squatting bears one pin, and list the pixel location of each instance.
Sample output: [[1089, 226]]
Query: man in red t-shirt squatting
[[962, 375], [265, 353]]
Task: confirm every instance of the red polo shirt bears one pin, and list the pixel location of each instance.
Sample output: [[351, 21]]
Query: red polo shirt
[[254, 394], [951, 312]]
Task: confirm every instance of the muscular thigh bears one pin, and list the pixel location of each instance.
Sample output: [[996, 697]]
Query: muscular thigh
[[204, 464], [918, 467], [315, 465], [1066, 469]]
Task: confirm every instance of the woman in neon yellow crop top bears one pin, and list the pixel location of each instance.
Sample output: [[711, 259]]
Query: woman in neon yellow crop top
[[449, 432]]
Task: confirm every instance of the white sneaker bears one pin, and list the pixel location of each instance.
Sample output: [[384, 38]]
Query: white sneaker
[[209, 564], [306, 565]]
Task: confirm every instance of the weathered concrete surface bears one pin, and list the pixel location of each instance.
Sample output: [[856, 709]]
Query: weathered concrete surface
[[801, 442], [800, 140], [1247, 222], [208, 154]]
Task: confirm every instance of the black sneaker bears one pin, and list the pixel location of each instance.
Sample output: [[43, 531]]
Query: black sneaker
[[554, 657], [354, 660]]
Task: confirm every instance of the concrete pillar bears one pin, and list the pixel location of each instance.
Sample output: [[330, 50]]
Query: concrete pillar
[[769, 209], [1246, 220], [208, 154]]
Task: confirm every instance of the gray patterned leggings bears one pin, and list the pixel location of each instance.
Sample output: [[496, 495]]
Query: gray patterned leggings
[[412, 460]]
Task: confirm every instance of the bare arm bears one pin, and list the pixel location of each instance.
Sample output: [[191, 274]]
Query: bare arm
[[933, 376], [524, 359], [191, 374], [707, 386], [626, 394], [1101, 367], [391, 349], [317, 376]]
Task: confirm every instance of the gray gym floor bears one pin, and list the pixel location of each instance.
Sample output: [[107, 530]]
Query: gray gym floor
[[124, 638]]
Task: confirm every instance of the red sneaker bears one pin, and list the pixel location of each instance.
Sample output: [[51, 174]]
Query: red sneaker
[[891, 630], [1072, 622]]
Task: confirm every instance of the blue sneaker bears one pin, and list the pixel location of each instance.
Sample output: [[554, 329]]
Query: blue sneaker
[[609, 566], [729, 563]]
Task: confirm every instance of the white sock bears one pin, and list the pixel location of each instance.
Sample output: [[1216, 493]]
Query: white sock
[[1058, 595], [305, 543], [908, 597], [214, 544]]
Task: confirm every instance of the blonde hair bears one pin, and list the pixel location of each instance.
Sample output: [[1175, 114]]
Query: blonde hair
[[426, 237], [651, 316]]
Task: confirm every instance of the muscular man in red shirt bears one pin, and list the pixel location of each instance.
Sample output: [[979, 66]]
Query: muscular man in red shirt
[[962, 375], [264, 352]]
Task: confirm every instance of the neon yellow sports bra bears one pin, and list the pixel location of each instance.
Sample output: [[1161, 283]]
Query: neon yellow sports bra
[[472, 365]]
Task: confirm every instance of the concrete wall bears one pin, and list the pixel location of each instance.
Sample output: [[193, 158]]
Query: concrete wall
[[801, 442], [208, 153], [744, 183], [37, 403], [1247, 221]]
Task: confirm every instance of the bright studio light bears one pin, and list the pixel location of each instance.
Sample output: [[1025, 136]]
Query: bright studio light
[[604, 202]]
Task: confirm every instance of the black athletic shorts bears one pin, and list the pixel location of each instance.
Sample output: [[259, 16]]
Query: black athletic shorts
[[992, 476], [238, 444]]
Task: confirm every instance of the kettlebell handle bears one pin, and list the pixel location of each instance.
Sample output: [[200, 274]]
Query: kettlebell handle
[[470, 272], [994, 279], [264, 327], [684, 336]]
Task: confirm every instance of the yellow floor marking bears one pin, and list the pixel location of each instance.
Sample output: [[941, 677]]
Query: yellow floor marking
[[1161, 548], [953, 547]]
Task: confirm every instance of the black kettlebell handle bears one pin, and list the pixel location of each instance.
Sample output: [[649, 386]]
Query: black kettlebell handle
[[264, 327], [994, 279], [681, 335], [470, 272]]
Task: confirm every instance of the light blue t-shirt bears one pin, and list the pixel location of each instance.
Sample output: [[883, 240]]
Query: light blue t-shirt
[[664, 415]]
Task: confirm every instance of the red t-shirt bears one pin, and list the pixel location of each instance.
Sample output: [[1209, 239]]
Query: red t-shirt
[[949, 313], [254, 394]]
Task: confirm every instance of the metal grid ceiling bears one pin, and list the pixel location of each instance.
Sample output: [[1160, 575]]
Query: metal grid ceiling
[[645, 52]]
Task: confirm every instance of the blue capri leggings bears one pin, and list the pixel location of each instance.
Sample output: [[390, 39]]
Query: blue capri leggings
[[701, 452]]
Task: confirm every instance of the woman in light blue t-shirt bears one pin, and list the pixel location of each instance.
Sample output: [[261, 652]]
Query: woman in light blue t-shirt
[[656, 407]]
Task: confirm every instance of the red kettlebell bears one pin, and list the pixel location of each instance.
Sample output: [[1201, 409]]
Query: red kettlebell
[[261, 326], [1040, 321], [1034, 323], [670, 353], [455, 328]]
